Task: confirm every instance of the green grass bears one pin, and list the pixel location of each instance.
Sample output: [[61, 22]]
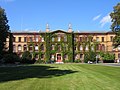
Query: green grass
[[60, 77]]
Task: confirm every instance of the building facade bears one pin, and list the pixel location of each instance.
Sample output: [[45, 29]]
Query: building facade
[[62, 46]]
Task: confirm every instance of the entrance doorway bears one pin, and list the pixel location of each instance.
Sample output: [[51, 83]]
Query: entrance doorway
[[59, 59]]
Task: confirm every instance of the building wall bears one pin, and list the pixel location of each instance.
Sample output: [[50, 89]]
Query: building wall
[[104, 39]]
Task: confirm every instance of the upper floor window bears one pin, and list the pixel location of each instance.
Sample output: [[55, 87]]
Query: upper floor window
[[53, 39], [42, 39], [25, 39], [30, 47], [65, 38], [59, 38], [97, 39], [80, 39], [14, 39], [102, 39], [31, 39], [25, 47], [19, 39], [19, 48], [36, 39], [111, 38]]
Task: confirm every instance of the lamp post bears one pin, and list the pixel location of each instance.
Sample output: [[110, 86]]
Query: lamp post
[[96, 58]]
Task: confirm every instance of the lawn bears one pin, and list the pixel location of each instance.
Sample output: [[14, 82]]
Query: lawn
[[60, 77]]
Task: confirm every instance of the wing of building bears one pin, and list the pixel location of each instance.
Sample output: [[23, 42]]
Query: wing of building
[[62, 46]]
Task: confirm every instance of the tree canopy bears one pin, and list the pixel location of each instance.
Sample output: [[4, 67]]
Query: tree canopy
[[4, 29], [115, 15]]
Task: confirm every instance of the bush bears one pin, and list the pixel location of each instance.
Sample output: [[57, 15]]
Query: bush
[[11, 58], [27, 58], [90, 56], [78, 61]]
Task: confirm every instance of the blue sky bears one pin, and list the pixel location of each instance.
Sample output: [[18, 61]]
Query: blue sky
[[84, 15]]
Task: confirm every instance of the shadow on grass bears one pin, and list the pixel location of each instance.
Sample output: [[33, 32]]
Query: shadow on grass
[[23, 72]]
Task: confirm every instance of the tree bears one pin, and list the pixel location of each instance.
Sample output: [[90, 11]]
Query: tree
[[115, 15], [4, 29]]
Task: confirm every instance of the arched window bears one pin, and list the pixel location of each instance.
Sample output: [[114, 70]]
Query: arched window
[[25, 48], [30, 47], [81, 48], [19, 48], [86, 48], [36, 48]]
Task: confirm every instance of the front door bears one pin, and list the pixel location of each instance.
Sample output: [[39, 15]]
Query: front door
[[59, 58]]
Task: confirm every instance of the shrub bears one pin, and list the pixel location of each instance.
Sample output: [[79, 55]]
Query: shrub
[[11, 58], [78, 61], [90, 56], [27, 58]]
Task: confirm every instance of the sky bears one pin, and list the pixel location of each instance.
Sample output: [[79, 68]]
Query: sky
[[83, 15]]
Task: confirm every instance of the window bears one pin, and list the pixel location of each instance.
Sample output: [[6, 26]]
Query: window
[[19, 48], [36, 57], [14, 48], [52, 56], [102, 39], [86, 48], [75, 48], [31, 39], [53, 39], [59, 47], [36, 39], [103, 47], [42, 47], [81, 48], [36, 47], [91, 39], [65, 39], [19, 39], [25, 39], [119, 48], [52, 47], [75, 39], [92, 48], [30, 48], [97, 47], [14, 39], [80, 39], [42, 56], [97, 39], [25, 47], [42, 39], [81, 56], [111, 38], [59, 38], [65, 56]]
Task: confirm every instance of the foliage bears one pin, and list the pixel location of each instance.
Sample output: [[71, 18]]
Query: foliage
[[107, 56], [11, 58], [89, 56], [27, 57], [4, 29], [115, 15]]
